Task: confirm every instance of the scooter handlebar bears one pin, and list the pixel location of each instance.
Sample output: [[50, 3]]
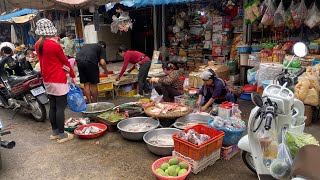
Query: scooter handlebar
[[269, 119]]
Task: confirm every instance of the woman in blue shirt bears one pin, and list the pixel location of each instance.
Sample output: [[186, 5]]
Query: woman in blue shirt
[[212, 91]]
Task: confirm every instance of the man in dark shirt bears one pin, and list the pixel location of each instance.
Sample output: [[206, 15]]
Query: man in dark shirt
[[88, 59]]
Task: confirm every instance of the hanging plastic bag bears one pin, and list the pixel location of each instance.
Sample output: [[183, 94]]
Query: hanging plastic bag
[[281, 167], [268, 143], [155, 97], [267, 18], [279, 16], [251, 76], [249, 15], [75, 99], [288, 15], [263, 6], [313, 17], [299, 14], [255, 8]]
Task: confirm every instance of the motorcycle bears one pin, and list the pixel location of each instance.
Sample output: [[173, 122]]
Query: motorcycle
[[20, 66], [276, 110], [24, 93], [3, 143]]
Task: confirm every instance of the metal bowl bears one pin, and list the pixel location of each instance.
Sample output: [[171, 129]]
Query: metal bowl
[[200, 118], [98, 107], [136, 136], [160, 150]]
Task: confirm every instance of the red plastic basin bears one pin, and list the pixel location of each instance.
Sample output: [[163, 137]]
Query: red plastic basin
[[91, 136]]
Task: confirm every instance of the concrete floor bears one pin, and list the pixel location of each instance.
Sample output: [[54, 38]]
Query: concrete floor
[[109, 157]]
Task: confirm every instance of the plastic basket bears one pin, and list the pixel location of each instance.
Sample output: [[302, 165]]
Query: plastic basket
[[198, 152], [183, 101], [160, 161], [121, 93], [228, 152], [230, 137], [198, 166], [91, 136], [105, 86]]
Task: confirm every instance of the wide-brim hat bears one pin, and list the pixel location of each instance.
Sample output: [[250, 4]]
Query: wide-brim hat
[[45, 27]]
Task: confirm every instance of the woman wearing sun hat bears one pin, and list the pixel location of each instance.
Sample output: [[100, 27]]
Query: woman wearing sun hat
[[54, 68]]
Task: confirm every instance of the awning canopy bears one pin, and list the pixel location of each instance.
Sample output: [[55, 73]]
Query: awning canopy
[[57, 4], [21, 16], [141, 3]]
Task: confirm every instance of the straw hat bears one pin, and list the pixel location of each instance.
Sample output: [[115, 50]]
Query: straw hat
[[45, 28]]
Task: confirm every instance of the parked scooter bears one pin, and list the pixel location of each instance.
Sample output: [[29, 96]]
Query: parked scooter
[[3, 143], [24, 93], [274, 111]]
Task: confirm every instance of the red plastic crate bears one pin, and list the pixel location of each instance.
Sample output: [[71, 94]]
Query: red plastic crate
[[198, 152]]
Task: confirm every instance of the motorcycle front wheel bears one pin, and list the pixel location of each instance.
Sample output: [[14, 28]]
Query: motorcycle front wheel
[[39, 112], [248, 161]]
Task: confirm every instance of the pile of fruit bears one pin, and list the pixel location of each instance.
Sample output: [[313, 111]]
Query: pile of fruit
[[173, 168]]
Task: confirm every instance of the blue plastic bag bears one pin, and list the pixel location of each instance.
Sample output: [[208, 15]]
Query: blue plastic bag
[[75, 99]]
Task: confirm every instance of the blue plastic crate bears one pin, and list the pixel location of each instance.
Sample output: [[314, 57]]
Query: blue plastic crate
[[230, 137]]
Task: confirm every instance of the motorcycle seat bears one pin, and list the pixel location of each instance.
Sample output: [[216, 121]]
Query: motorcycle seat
[[17, 80]]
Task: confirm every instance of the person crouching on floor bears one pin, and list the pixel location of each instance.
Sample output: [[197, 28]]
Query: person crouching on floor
[[212, 91], [169, 86]]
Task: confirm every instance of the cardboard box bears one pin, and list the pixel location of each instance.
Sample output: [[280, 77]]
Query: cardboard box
[[216, 50]]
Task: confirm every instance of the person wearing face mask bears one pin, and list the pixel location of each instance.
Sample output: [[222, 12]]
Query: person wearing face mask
[[169, 86], [214, 90]]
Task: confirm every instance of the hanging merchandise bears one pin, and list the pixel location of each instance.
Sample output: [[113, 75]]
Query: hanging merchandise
[[299, 14], [263, 7], [279, 16], [252, 12], [96, 20], [267, 17], [288, 15], [313, 17], [121, 23]]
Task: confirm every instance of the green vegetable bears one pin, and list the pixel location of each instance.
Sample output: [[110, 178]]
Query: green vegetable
[[296, 141], [112, 116]]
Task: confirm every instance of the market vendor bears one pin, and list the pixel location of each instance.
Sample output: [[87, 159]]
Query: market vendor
[[213, 90], [139, 60], [169, 86]]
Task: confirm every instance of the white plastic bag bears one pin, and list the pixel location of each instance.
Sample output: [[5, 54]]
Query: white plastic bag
[[279, 16], [155, 97], [267, 18], [251, 76], [313, 17]]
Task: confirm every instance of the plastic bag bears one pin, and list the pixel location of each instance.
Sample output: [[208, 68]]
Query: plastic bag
[[313, 17], [75, 99], [288, 16], [281, 167], [299, 14], [268, 143], [279, 16], [301, 89], [312, 97], [251, 76], [155, 97], [249, 15], [267, 18]]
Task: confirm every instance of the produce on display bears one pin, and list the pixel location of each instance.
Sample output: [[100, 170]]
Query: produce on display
[[173, 168], [112, 116], [193, 137], [296, 141], [74, 122], [89, 130], [163, 108], [138, 127], [308, 88], [162, 140]]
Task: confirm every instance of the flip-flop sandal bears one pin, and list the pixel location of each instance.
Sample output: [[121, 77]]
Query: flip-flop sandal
[[70, 137]]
